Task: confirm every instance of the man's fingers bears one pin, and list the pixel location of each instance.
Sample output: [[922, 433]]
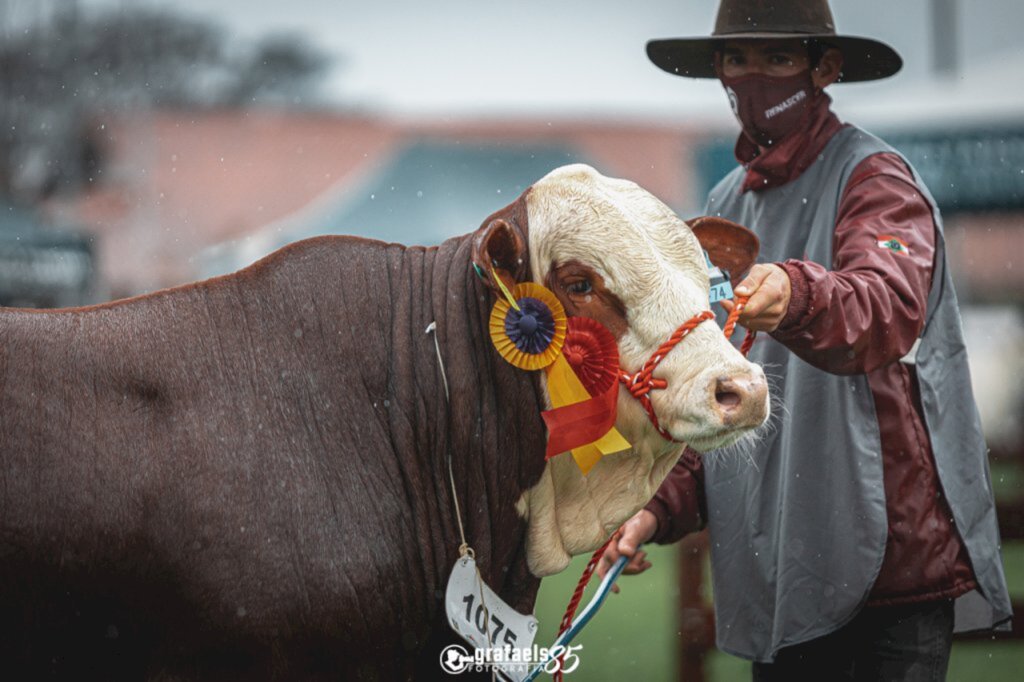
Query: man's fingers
[[753, 280], [769, 292], [638, 564], [761, 301], [606, 562], [628, 543]]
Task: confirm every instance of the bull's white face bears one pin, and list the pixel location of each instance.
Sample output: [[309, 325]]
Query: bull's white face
[[644, 275]]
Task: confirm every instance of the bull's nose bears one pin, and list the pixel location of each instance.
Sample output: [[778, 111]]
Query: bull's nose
[[740, 401]]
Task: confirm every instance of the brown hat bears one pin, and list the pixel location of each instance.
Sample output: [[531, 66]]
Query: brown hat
[[864, 59]]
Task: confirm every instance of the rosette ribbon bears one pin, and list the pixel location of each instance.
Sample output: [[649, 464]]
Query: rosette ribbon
[[583, 386], [528, 326]]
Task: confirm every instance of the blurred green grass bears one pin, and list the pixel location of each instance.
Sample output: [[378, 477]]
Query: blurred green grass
[[634, 636]]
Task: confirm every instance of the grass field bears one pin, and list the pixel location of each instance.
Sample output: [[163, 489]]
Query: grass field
[[633, 637]]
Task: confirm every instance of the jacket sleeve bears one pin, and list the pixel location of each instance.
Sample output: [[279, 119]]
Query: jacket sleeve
[[868, 310], [679, 504]]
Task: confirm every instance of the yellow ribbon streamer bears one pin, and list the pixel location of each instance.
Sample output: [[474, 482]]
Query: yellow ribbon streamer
[[504, 289], [565, 388]]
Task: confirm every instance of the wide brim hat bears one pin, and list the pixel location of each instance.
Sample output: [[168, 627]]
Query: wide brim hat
[[864, 59]]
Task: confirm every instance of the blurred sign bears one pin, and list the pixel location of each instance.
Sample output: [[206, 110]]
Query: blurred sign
[[41, 267], [969, 171], [28, 268], [965, 170]]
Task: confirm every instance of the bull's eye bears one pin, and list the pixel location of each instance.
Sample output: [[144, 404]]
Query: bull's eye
[[581, 287]]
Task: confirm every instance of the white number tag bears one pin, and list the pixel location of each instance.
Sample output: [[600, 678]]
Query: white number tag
[[472, 619]]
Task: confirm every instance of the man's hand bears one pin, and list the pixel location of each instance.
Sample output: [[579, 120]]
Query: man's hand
[[633, 533], [769, 290]]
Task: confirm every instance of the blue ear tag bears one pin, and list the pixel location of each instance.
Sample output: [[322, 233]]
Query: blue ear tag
[[721, 288]]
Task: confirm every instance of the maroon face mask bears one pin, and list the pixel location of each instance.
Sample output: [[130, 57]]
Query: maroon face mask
[[770, 107]]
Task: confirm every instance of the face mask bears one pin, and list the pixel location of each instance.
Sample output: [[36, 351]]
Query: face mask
[[770, 107]]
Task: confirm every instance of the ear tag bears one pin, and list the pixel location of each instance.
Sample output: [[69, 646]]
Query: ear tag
[[721, 288]]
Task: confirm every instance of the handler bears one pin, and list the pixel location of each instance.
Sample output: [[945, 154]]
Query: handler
[[863, 525]]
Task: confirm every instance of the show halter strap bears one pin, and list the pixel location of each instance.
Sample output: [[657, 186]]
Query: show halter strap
[[640, 384]]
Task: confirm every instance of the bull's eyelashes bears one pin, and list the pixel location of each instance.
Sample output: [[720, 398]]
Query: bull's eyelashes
[[579, 287], [576, 281], [583, 293]]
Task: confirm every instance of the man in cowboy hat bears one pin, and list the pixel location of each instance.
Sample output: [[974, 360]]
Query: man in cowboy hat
[[863, 530]]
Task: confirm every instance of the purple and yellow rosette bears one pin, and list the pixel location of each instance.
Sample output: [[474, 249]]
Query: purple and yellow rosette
[[528, 326]]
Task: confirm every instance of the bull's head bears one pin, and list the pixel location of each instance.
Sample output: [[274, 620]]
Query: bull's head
[[612, 252]]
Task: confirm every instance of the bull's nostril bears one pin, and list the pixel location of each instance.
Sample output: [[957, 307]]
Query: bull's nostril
[[728, 399]]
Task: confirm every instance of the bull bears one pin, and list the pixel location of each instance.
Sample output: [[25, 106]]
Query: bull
[[245, 477]]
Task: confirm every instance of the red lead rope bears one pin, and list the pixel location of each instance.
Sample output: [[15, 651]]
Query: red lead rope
[[640, 385]]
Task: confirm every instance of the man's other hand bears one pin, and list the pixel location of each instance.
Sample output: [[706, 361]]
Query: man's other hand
[[633, 533], [769, 290]]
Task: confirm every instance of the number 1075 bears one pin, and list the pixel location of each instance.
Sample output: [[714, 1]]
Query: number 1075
[[478, 617]]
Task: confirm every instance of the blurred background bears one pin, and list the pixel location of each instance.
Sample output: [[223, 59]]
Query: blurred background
[[147, 144]]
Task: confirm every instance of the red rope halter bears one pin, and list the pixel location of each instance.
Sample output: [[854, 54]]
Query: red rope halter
[[640, 384]]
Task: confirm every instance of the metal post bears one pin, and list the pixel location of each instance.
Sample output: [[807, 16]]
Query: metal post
[[696, 619]]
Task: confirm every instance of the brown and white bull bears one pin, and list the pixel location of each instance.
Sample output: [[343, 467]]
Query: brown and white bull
[[245, 478]]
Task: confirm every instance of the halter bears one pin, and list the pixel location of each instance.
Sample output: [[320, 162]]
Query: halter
[[641, 383]]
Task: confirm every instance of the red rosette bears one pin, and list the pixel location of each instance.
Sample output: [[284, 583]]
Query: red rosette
[[592, 352]]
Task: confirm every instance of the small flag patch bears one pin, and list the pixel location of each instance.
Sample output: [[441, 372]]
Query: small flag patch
[[894, 244]]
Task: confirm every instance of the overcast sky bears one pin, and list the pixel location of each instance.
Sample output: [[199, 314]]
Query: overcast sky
[[574, 57]]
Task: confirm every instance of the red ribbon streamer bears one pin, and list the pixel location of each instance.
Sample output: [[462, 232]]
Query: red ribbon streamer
[[592, 352], [580, 423]]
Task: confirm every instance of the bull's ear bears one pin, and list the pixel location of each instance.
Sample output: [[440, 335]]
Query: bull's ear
[[500, 247], [731, 247]]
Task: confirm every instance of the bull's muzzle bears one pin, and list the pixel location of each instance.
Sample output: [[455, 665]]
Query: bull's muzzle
[[740, 401]]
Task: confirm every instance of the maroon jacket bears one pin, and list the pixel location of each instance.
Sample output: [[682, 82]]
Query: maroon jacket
[[861, 316]]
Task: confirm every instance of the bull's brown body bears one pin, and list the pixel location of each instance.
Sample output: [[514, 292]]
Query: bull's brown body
[[245, 478]]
